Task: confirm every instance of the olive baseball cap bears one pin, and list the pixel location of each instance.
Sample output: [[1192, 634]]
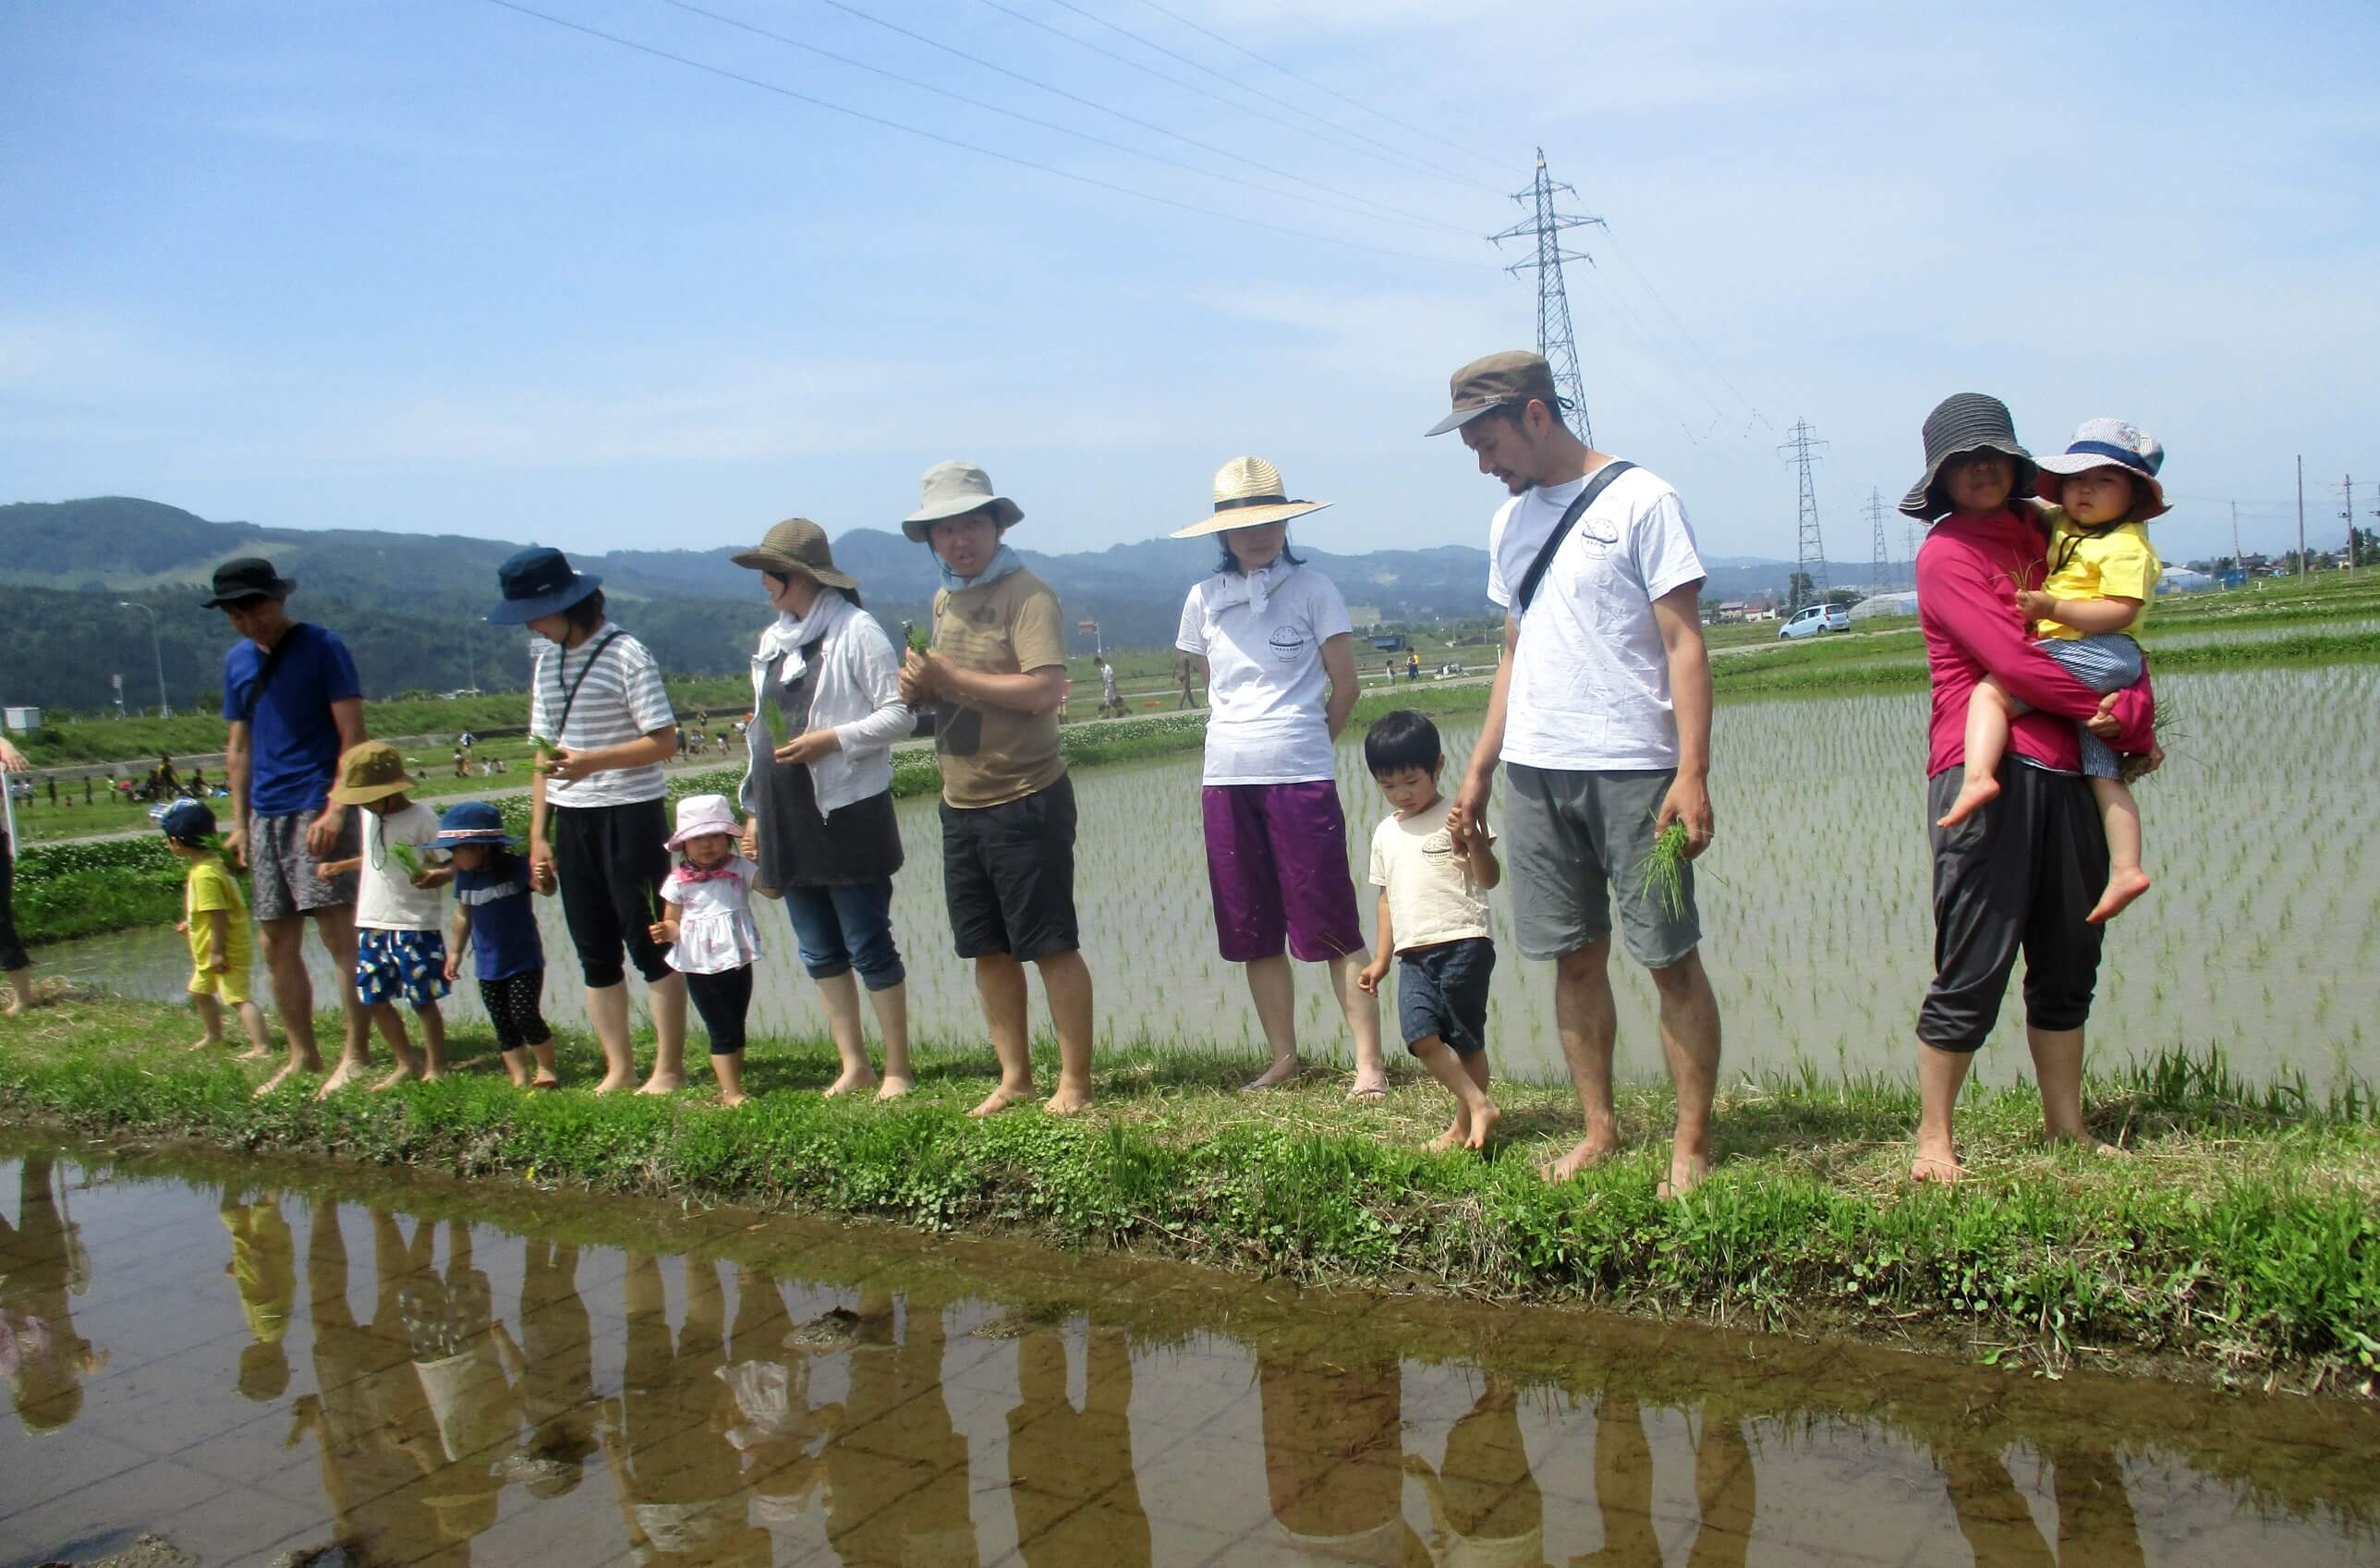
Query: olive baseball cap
[[1509, 380]]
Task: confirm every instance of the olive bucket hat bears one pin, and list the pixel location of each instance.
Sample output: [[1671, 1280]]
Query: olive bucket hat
[[797, 545], [1966, 421]]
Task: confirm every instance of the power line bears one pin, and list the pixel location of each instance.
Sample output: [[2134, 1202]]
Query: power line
[[1294, 76], [1386, 154], [1691, 342], [758, 31], [936, 137], [1055, 91]]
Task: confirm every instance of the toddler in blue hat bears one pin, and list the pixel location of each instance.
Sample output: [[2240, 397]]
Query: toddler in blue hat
[[214, 916], [494, 919]]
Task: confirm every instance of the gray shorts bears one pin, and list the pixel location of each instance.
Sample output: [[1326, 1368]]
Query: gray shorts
[[2107, 663], [1573, 839], [282, 880]]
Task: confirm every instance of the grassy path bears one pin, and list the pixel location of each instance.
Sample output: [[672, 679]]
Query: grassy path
[[2239, 1240]]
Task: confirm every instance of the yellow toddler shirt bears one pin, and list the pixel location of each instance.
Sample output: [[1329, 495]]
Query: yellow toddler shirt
[[2110, 562]]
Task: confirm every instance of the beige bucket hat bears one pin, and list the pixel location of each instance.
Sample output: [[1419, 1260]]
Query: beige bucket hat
[[797, 545], [953, 489], [1248, 493]]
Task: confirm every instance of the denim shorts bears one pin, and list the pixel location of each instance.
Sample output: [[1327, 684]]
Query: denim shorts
[[1442, 990], [847, 927]]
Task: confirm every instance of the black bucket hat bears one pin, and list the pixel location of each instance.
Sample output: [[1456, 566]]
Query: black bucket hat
[[1966, 421], [538, 582], [249, 576]]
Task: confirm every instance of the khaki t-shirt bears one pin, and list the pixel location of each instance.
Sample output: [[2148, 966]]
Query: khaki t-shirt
[[991, 756]]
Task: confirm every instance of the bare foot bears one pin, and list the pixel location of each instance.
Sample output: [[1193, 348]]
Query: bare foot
[[274, 1082], [1279, 1075], [1373, 1085], [1068, 1102], [895, 1086], [1456, 1131], [2122, 888], [1000, 1099], [398, 1074], [614, 1082], [1483, 1126], [432, 1074], [203, 1043], [1593, 1150], [662, 1083], [851, 1080], [1979, 791], [1687, 1172], [1937, 1170], [545, 1080], [255, 1053], [345, 1073], [732, 1100]]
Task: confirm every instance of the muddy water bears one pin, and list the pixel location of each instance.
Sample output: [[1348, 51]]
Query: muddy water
[[251, 1360]]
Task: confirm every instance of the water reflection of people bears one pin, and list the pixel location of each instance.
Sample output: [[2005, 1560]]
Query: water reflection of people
[[678, 1479], [774, 1425], [1484, 1508], [474, 1408], [2096, 1524], [878, 1515], [1074, 1486], [1725, 1488], [553, 1366], [42, 1262], [264, 1268], [1334, 1444]]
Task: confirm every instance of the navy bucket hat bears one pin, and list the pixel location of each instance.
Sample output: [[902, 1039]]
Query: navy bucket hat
[[187, 821], [474, 822], [538, 582]]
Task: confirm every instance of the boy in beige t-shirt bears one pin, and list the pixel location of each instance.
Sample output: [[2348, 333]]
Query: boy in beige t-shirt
[[1433, 918]]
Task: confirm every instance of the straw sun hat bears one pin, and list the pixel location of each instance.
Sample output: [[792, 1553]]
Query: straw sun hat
[[1248, 493]]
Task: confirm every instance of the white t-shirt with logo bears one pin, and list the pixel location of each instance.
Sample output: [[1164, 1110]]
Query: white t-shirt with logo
[[387, 899], [1432, 899], [1590, 687], [1264, 680]]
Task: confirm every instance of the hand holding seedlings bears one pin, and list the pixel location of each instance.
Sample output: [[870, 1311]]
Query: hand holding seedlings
[[808, 746], [1688, 804], [571, 766]]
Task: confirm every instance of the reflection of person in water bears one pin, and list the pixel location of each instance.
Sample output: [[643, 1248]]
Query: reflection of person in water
[[553, 1366], [678, 1479], [450, 1322], [1725, 1488], [41, 1263], [1484, 1508], [1334, 1463], [264, 1266], [775, 1424], [874, 1519], [2096, 1524], [1059, 1457]]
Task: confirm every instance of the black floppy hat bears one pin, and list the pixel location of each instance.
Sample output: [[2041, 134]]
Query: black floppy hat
[[1967, 422], [246, 577]]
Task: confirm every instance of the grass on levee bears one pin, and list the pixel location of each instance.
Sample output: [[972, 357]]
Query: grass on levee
[[2239, 1237]]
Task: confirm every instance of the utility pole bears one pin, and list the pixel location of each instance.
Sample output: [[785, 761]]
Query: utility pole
[[1912, 529], [1555, 340], [2239, 561], [1879, 566], [1810, 555], [2301, 560], [2347, 510]]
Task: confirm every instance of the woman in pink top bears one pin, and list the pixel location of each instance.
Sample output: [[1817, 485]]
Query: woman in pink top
[[2022, 872]]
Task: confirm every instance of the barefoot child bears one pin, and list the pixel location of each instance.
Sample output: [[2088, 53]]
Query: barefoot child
[[214, 916], [1433, 918], [2103, 572], [493, 917], [400, 953], [706, 923]]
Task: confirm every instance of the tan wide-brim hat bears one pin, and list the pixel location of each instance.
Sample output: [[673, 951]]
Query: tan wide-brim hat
[[370, 771], [1248, 493], [953, 489], [797, 545]]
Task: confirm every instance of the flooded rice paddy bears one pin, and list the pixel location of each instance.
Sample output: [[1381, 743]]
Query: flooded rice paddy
[[2259, 937], [250, 1360]]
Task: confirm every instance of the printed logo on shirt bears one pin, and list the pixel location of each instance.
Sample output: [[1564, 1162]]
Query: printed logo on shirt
[[1288, 644]]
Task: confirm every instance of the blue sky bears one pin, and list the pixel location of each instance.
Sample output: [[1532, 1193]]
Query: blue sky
[[445, 267]]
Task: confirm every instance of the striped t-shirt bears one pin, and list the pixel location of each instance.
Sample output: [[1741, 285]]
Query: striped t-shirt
[[621, 700]]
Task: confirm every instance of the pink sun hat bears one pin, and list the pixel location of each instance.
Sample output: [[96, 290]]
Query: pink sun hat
[[699, 815]]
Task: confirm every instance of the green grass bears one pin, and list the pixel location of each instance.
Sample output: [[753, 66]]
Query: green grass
[[2239, 1240]]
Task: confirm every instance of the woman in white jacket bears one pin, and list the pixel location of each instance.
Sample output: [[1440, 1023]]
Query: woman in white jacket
[[818, 791]]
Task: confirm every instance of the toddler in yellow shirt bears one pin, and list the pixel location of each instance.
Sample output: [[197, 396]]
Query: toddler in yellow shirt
[[214, 916], [2103, 576]]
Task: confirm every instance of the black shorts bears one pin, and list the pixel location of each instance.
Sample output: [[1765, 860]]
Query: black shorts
[[1442, 990], [2019, 875], [611, 862], [1008, 874]]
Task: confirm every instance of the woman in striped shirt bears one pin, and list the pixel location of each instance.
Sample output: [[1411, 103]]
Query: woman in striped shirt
[[597, 827]]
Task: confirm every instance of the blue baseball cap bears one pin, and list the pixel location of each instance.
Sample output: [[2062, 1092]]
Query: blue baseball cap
[[474, 822], [187, 821]]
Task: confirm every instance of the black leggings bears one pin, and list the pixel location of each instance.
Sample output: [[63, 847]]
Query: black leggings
[[512, 1005], [723, 998]]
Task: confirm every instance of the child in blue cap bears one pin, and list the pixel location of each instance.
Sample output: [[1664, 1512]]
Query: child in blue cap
[[495, 919], [214, 916]]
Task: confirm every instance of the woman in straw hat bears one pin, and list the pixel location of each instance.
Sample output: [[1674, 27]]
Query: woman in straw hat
[[1270, 634], [818, 791]]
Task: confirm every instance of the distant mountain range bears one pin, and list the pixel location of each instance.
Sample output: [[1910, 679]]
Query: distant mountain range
[[409, 604]]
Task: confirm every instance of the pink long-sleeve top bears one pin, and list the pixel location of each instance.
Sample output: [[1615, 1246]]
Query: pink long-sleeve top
[[1969, 572]]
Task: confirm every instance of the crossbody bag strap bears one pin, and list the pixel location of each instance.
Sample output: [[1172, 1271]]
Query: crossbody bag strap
[[272, 662], [570, 697], [1577, 509]]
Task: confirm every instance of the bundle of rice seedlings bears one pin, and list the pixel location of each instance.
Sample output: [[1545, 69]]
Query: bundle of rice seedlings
[[1665, 870], [915, 636], [776, 716], [406, 856]]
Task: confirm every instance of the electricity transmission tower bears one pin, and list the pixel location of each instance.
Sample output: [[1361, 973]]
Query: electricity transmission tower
[[1810, 579], [1879, 568], [1555, 340], [1912, 552]]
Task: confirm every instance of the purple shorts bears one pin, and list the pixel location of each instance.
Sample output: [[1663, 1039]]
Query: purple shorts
[[1277, 860]]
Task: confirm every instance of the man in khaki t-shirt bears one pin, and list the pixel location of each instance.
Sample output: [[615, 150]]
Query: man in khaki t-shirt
[[995, 674]]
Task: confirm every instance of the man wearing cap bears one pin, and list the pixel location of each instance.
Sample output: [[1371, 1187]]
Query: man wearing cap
[[996, 672], [1601, 716], [294, 704]]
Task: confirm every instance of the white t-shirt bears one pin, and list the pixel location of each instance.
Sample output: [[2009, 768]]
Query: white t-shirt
[[1431, 895], [387, 899], [1590, 687], [1264, 680]]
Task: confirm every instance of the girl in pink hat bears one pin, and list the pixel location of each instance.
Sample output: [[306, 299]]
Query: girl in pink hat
[[706, 922]]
